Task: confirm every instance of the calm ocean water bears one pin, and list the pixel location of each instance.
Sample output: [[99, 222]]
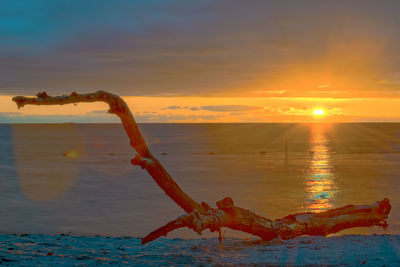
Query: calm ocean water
[[60, 178]]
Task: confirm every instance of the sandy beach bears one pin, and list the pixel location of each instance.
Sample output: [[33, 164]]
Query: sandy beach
[[66, 250]]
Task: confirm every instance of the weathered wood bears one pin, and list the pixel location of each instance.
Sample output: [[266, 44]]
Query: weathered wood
[[200, 216], [324, 223]]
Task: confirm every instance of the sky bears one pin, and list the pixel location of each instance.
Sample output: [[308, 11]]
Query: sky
[[203, 61]]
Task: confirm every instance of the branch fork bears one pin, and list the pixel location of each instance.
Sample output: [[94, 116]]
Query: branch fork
[[144, 163]]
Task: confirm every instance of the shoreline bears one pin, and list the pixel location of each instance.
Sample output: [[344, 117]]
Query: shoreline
[[46, 250]]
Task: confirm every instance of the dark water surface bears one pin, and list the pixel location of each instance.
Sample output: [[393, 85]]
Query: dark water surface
[[59, 178]]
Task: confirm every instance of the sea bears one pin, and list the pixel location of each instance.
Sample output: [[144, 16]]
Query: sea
[[77, 178]]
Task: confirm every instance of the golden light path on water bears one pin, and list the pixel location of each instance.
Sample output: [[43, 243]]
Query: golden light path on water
[[320, 181]]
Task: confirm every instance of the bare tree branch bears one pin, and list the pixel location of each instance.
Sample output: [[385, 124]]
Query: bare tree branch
[[201, 216]]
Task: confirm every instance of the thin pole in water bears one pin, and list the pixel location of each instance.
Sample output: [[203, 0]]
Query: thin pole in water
[[286, 158], [286, 145]]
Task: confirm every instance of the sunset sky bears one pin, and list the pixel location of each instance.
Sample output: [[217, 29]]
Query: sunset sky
[[204, 61]]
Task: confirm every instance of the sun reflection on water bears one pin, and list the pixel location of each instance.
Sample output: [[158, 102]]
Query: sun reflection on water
[[320, 181]]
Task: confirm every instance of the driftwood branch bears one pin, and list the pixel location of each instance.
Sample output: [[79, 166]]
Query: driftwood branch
[[201, 216]]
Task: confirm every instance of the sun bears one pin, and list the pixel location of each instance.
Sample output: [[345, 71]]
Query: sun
[[318, 112]]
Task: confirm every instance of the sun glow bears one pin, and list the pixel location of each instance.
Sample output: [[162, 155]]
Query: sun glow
[[318, 112]]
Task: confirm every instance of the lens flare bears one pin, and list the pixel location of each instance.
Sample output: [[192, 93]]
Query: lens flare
[[39, 151]]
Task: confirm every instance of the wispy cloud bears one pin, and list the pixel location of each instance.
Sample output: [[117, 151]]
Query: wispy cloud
[[97, 113], [92, 116], [229, 108], [161, 118], [217, 108], [174, 107], [9, 114]]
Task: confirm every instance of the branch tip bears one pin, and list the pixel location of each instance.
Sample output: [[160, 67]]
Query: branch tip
[[42, 95], [19, 101]]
